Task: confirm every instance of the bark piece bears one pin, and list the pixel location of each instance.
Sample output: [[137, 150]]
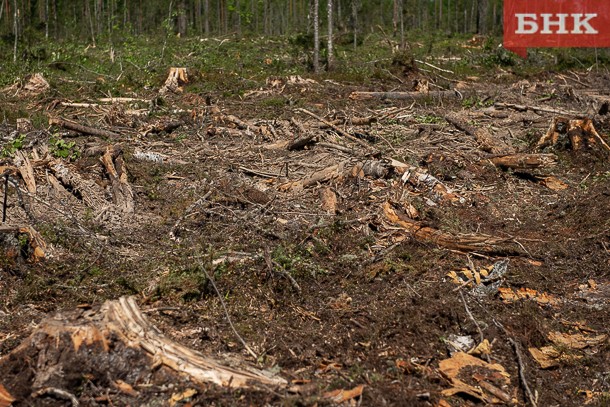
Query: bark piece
[[112, 341], [5, 397], [22, 162], [476, 242], [328, 201], [70, 125], [437, 191]]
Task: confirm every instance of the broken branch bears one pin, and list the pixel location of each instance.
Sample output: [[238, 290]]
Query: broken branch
[[70, 125]]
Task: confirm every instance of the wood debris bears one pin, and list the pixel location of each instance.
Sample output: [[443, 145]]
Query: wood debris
[[565, 348], [464, 242], [71, 125], [509, 295], [33, 85], [476, 378], [115, 337], [341, 395], [487, 141], [6, 400], [440, 94], [522, 162]]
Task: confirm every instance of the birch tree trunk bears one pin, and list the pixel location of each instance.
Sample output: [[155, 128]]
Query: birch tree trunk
[[46, 19], [316, 36], [15, 29], [329, 59]]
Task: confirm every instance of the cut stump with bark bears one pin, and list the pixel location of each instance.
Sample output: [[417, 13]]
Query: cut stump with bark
[[114, 343], [571, 134], [175, 79]]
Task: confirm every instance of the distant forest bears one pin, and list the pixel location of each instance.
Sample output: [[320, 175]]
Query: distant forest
[[88, 20]]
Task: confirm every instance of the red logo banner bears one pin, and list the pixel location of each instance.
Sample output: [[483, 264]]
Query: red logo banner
[[556, 23]]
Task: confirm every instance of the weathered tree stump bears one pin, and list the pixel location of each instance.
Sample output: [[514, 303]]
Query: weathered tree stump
[[571, 134], [113, 345]]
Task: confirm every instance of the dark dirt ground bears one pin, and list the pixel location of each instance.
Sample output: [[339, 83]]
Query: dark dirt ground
[[328, 295]]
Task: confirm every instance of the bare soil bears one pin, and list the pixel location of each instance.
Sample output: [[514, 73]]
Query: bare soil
[[322, 284]]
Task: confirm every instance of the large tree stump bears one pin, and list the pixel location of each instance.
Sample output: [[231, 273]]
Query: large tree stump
[[175, 79], [112, 346], [571, 134]]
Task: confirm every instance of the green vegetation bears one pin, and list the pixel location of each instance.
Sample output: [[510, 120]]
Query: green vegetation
[[63, 149], [9, 148], [236, 65]]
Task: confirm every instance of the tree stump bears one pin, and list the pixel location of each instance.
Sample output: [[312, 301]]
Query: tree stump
[[112, 346], [572, 134], [176, 78]]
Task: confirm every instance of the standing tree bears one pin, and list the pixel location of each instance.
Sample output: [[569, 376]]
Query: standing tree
[[316, 36], [329, 59], [15, 29], [355, 21], [482, 12], [181, 25]]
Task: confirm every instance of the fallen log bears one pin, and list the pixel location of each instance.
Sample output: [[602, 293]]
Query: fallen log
[[324, 175], [521, 162], [114, 343], [71, 182], [535, 109], [302, 142], [335, 128], [438, 94], [166, 127], [476, 242], [487, 142], [70, 125]]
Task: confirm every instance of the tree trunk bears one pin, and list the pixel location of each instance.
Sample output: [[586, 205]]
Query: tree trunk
[[46, 19], [395, 18], [329, 59], [206, 21], [15, 29], [402, 25], [316, 36], [238, 12], [482, 11], [182, 22], [355, 21]]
